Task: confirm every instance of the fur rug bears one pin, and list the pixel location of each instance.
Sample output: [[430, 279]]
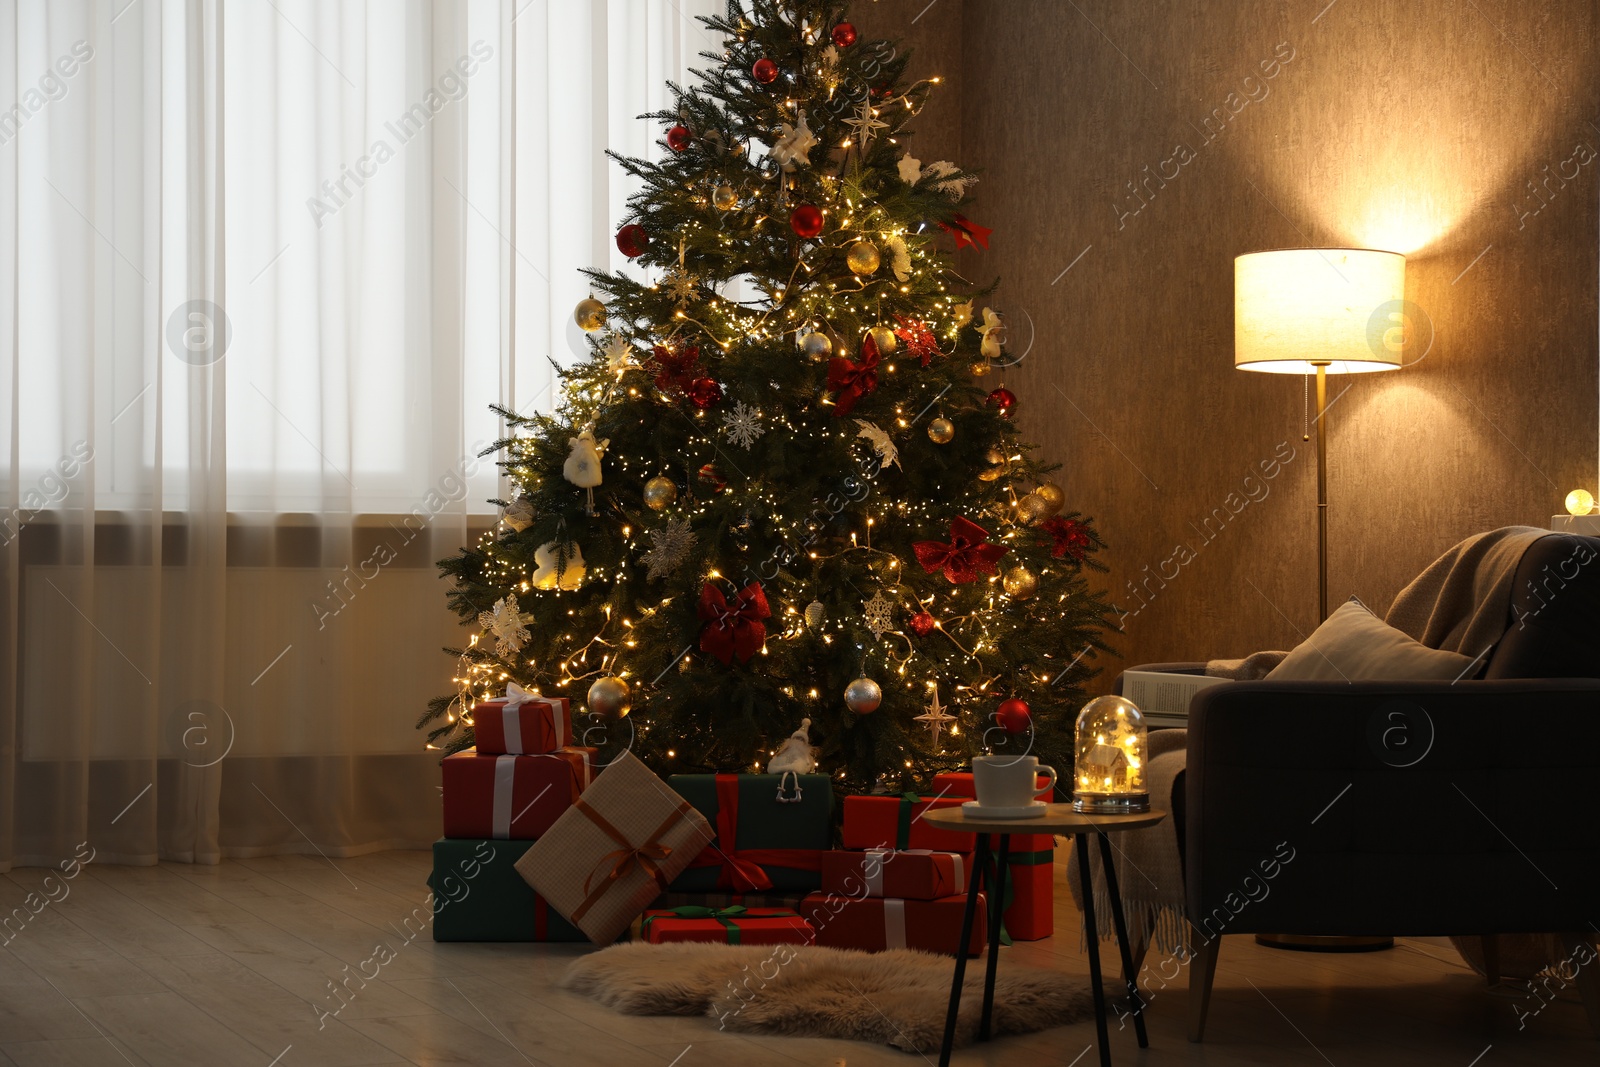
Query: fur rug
[[896, 998]]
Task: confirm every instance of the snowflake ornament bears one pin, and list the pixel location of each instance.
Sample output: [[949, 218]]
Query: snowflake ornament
[[670, 547], [910, 169], [617, 351], [743, 424], [882, 444], [794, 144], [947, 179], [507, 623], [682, 286], [865, 125], [879, 614]]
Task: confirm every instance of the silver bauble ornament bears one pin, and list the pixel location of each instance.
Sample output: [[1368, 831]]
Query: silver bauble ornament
[[885, 339], [610, 698], [660, 492], [815, 614], [817, 345], [1020, 583], [589, 314], [725, 198], [941, 431], [863, 696]]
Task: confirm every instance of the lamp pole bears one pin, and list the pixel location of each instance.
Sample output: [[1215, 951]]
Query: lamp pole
[[1322, 492]]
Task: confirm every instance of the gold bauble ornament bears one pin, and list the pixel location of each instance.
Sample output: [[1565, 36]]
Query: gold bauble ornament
[[863, 696], [610, 697], [885, 339], [863, 258], [589, 314], [941, 431], [1020, 583], [1033, 508], [725, 198], [815, 615], [980, 368], [996, 467], [1052, 494], [817, 345], [660, 492]]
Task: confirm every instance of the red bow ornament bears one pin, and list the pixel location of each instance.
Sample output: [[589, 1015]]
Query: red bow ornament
[[1069, 537], [966, 556], [966, 232], [675, 371], [733, 630], [850, 381]]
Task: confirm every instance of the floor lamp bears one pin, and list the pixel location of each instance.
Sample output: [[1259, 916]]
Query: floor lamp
[[1319, 311]]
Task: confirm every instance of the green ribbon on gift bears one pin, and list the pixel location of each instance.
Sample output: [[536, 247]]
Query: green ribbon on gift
[[725, 916], [902, 833]]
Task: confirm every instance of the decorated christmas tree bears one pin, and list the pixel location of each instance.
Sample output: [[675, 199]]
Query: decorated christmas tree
[[786, 485]]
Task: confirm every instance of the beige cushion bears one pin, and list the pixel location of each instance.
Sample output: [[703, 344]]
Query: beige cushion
[[1355, 645]]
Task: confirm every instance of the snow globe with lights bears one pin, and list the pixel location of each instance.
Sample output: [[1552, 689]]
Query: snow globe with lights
[[1111, 745]]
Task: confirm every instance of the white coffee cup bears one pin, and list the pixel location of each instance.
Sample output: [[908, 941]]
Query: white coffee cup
[[1009, 781]]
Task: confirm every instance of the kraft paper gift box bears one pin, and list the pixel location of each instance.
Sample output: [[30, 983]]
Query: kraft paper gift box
[[511, 797], [874, 924], [615, 849], [772, 831], [521, 723], [896, 822], [726, 926], [914, 874], [479, 896]]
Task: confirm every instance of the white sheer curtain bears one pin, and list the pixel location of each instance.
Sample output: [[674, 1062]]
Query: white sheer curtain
[[266, 266]]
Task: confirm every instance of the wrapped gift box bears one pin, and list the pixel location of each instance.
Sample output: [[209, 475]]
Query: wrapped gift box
[[880, 872], [896, 822], [479, 896], [959, 784], [521, 723], [615, 849], [772, 831], [734, 925], [1030, 880], [668, 901], [511, 797], [874, 924]]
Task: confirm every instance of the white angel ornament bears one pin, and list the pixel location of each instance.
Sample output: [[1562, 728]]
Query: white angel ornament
[[582, 467], [994, 334]]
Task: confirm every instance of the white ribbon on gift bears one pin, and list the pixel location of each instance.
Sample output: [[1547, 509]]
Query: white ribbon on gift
[[516, 696], [894, 923], [505, 776], [879, 857]]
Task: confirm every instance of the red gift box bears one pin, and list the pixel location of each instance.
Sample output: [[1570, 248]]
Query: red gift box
[[959, 784], [727, 926], [521, 723], [916, 874], [874, 924], [1030, 880], [515, 797], [896, 822]]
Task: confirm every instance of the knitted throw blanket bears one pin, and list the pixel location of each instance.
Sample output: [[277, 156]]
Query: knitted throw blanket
[[1460, 603]]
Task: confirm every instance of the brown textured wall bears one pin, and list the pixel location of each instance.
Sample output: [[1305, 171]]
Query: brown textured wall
[[1463, 134]]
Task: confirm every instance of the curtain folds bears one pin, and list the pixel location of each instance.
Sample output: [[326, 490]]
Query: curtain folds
[[265, 268]]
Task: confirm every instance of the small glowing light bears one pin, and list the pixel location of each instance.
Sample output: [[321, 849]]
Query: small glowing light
[[1580, 502]]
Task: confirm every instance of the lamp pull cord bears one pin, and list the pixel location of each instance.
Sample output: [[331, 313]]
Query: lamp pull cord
[[1305, 406]]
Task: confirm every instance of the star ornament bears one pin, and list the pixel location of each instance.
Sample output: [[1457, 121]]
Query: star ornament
[[617, 351], [966, 232], [935, 717], [865, 124], [794, 144], [968, 554]]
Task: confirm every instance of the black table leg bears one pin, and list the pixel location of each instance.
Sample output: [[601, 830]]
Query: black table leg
[[980, 858], [1122, 940], [1091, 937], [997, 905]]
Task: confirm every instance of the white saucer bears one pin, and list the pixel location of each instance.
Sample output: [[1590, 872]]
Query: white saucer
[[1032, 811]]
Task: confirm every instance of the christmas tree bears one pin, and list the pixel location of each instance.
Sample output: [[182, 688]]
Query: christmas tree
[[784, 484]]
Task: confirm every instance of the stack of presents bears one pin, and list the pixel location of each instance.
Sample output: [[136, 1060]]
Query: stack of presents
[[543, 844]]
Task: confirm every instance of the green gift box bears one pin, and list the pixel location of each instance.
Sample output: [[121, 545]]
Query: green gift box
[[771, 831], [479, 896]]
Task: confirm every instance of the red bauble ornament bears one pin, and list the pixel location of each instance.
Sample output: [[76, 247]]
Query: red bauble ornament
[[1004, 399], [765, 71], [1014, 716], [806, 220], [844, 35], [632, 240], [704, 392], [709, 476], [922, 624], [678, 138]]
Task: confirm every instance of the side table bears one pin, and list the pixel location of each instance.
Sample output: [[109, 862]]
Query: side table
[[1057, 819]]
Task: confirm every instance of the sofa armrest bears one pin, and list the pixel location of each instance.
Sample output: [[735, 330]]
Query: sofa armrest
[[1394, 807]]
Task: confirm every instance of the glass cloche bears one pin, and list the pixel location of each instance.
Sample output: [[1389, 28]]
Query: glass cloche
[[1109, 769]]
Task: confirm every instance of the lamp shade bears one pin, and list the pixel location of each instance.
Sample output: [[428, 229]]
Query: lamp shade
[[1298, 308]]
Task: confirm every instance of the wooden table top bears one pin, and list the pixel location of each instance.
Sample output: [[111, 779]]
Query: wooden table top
[[1057, 819]]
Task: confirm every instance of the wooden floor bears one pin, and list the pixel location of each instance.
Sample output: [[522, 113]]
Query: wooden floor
[[227, 966]]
